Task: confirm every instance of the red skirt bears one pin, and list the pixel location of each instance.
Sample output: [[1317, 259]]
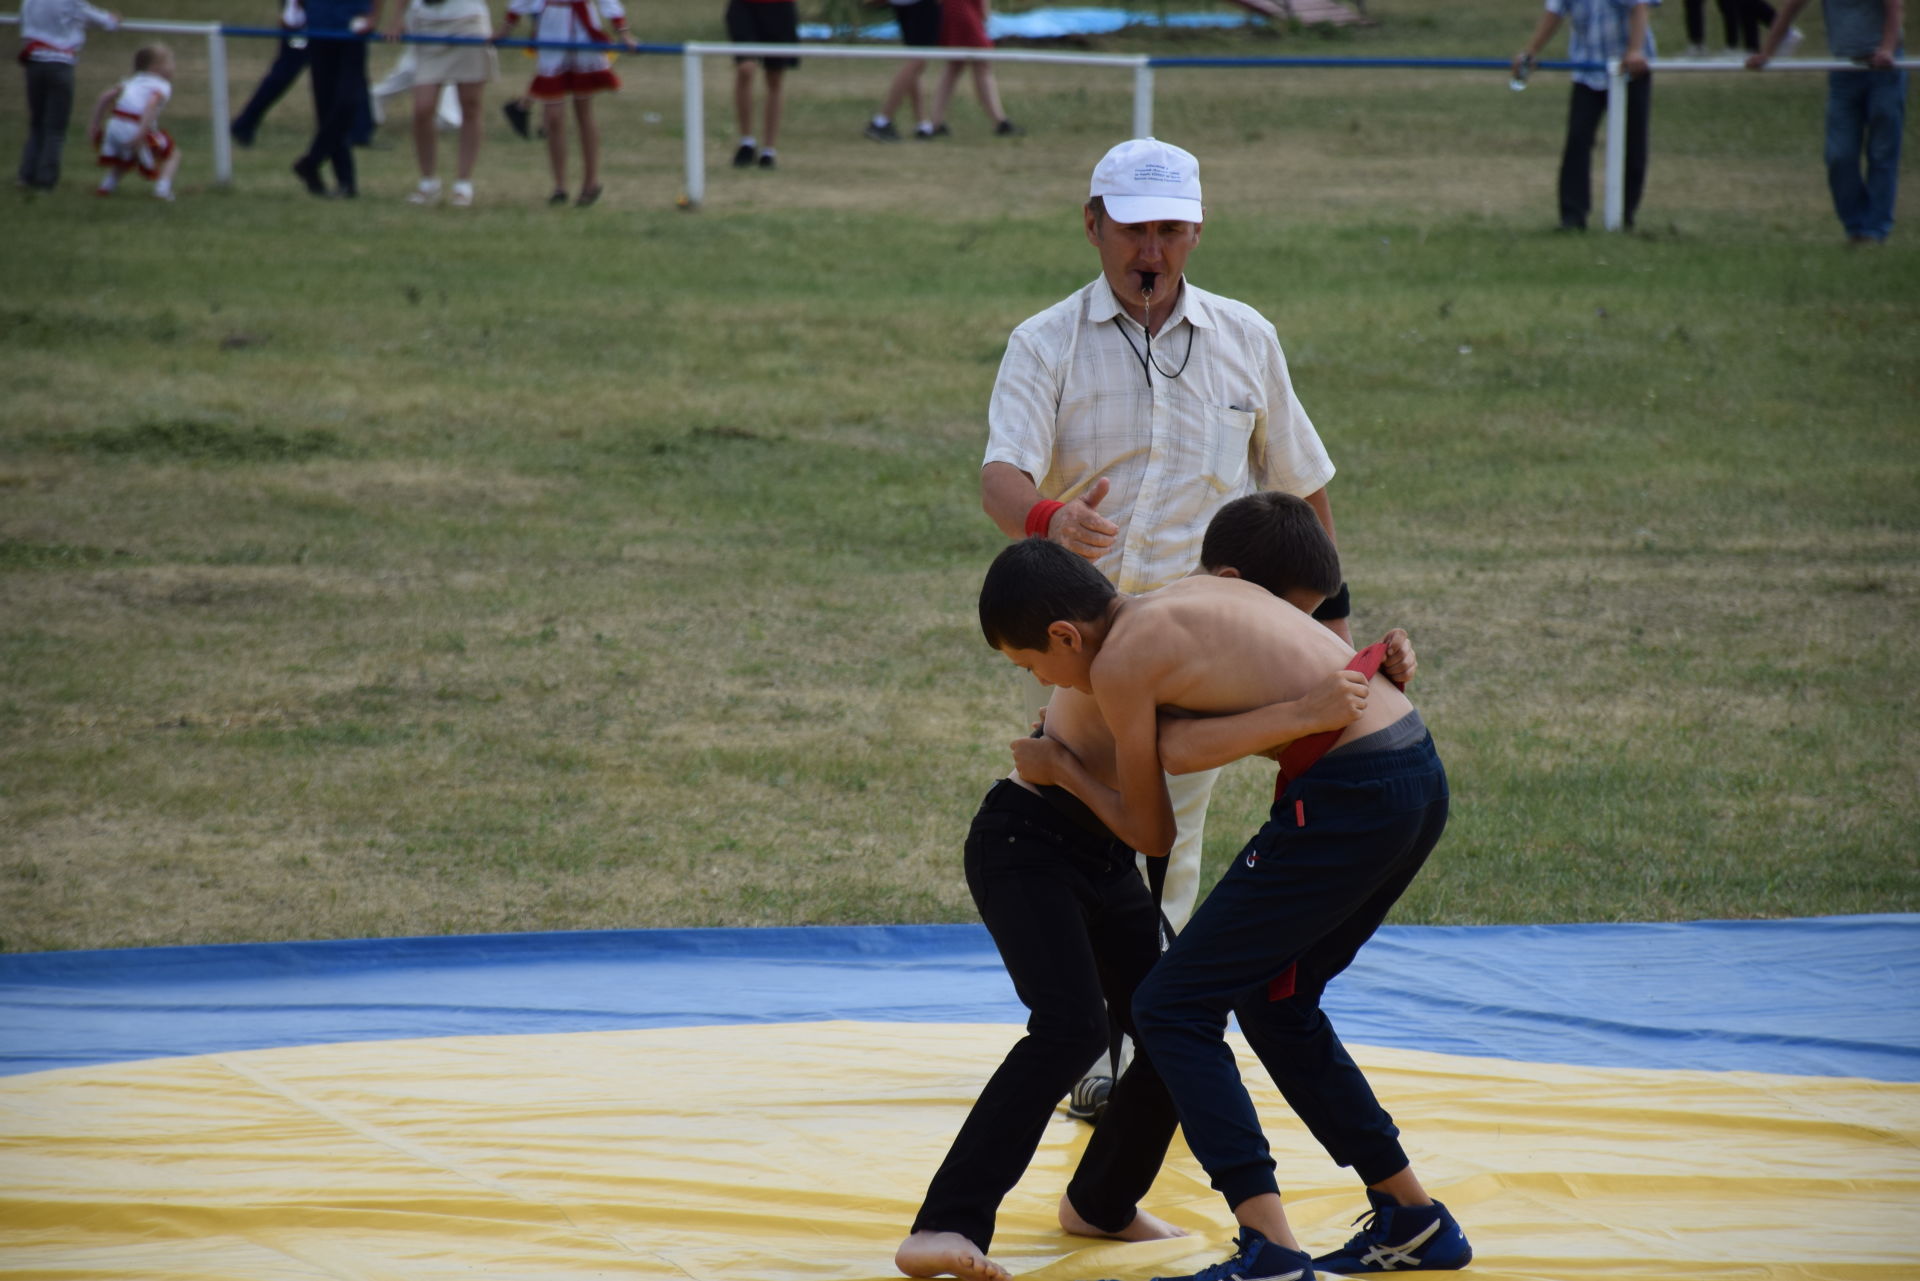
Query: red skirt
[[963, 24], [572, 84]]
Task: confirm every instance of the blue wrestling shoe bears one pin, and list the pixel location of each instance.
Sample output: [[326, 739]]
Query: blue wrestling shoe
[[1401, 1238], [1257, 1259]]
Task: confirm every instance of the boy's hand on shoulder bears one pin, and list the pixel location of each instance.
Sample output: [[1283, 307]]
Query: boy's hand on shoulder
[[1041, 761], [1399, 663]]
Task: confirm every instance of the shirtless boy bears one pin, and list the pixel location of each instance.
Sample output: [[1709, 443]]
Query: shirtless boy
[[1343, 841], [1078, 929]]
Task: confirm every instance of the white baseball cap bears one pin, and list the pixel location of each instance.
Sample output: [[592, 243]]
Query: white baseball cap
[[1146, 180]]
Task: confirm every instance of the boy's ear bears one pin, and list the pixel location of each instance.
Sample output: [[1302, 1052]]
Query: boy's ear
[[1065, 634], [1225, 571]]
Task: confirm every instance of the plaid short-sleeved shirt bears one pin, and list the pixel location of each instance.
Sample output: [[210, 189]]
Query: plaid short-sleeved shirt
[[1073, 403], [1597, 32]]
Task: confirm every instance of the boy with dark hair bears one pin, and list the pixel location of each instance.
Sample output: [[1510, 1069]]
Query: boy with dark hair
[[1076, 927], [1346, 836]]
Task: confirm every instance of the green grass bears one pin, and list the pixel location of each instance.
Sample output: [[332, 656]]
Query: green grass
[[370, 570]]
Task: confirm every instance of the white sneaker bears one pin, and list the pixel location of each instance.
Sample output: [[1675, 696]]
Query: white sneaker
[[427, 193], [1791, 43], [462, 195], [1696, 51]]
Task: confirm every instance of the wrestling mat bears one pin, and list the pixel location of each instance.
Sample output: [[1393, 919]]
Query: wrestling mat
[[1654, 1102]]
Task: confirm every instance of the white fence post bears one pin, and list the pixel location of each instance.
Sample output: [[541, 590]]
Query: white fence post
[[693, 109], [1616, 193], [217, 107], [1143, 99]]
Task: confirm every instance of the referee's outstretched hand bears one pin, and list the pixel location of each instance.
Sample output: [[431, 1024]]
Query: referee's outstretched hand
[[1080, 528]]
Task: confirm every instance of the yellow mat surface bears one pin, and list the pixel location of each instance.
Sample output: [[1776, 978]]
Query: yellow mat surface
[[789, 1152]]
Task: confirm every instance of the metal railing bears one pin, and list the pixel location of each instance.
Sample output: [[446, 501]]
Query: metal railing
[[1142, 67]]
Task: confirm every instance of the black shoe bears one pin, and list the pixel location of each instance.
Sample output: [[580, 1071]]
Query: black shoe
[[242, 136], [519, 117], [767, 161], [308, 171], [882, 133], [1007, 129], [924, 134], [1088, 1102], [743, 157], [587, 196], [346, 191], [559, 196]]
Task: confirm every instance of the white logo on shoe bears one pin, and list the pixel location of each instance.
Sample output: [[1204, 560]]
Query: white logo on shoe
[[1387, 1258]]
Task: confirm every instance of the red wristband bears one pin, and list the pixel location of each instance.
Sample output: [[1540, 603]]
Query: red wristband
[[1040, 516]]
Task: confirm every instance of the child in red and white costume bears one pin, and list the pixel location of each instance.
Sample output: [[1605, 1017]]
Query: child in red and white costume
[[126, 125], [578, 74]]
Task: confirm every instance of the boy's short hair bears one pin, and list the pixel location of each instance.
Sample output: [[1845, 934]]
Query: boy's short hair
[[1275, 540], [1033, 584], [146, 55]]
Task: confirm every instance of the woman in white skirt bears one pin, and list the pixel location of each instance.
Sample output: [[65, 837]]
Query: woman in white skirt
[[467, 67]]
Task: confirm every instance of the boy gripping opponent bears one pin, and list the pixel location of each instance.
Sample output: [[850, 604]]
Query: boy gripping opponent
[[1345, 838], [1075, 924]]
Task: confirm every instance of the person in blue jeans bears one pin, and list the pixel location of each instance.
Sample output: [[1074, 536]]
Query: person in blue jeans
[[1866, 109]]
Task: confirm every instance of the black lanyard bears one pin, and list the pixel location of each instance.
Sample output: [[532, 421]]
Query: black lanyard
[[1147, 363]]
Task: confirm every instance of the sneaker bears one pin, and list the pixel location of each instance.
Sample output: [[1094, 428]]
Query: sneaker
[[1695, 51], [427, 193], [240, 135], [744, 156], [559, 196], [925, 134], [1400, 1238], [1257, 1259], [519, 117], [1088, 1102], [1007, 129], [882, 133], [587, 196], [462, 195], [767, 160], [1790, 45]]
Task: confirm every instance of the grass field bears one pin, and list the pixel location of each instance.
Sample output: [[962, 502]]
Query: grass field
[[374, 570]]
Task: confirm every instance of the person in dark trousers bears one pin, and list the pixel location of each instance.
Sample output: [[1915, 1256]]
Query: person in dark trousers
[[1599, 31], [338, 67], [51, 34], [288, 62]]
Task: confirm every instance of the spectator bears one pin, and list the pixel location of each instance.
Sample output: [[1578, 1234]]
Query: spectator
[[337, 66], [1601, 30], [288, 62], [919, 29], [571, 73], [760, 22], [1866, 108], [51, 34], [126, 125], [963, 25], [468, 67]]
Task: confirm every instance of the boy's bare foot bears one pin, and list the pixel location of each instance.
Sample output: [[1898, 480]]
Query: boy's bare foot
[[1145, 1227], [946, 1254]]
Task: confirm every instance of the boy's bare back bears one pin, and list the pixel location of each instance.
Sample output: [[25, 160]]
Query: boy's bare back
[[1216, 646], [1209, 646]]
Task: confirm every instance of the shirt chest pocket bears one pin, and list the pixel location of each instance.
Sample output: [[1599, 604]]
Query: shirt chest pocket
[[1220, 442]]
